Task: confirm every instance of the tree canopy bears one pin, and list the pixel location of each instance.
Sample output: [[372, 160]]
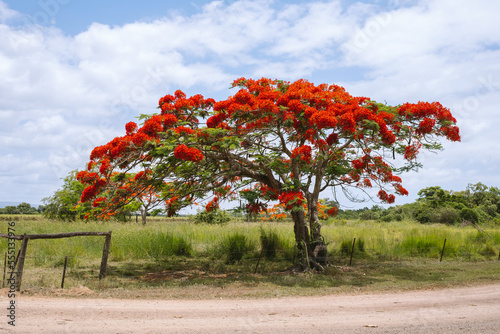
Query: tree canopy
[[285, 141]]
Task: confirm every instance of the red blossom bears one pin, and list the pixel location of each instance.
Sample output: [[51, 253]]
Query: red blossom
[[212, 205], [411, 151], [184, 130], [303, 152], [333, 211], [152, 126], [169, 120], [215, 120], [130, 127], [140, 175], [451, 132], [332, 138], [105, 166], [98, 201], [291, 199], [140, 138], [426, 126], [183, 152], [88, 193], [386, 198]]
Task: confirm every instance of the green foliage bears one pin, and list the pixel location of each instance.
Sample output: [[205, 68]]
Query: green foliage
[[212, 217], [444, 215], [470, 215], [63, 205]]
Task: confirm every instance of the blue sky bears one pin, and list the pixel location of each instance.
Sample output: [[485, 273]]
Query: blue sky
[[72, 73]]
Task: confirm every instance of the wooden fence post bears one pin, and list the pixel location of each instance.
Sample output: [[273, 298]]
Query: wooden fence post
[[442, 251], [64, 271], [105, 253], [20, 265]]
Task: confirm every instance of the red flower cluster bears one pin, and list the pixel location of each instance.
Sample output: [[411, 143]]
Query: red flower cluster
[[426, 126], [303, 152], [140, 175], [169, 120], [140, 138], [179, 101], [98, 201], [291, 199], [88, 193], [105, 166], [451, 132], [87, 177], [268, 192], [213, 204], [93, 180], [188, 153], [256, 207], [386, 198], [130, 127], [332, 138], [323, 119], [333, 211], [152, 126], [411, 151], [184, 130], [215, 120]]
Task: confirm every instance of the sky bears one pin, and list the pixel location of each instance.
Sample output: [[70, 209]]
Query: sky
[[72, 73]]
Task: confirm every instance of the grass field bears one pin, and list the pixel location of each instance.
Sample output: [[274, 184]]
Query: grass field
[[176, 258]]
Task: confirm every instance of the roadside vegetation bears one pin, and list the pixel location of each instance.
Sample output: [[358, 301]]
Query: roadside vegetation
[[180, 258], [238, 253]]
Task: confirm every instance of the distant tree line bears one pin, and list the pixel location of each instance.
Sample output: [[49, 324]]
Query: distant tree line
[[21, 209], [478, 203]]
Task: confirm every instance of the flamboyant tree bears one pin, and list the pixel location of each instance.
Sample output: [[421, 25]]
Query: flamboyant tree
[[289, 141]]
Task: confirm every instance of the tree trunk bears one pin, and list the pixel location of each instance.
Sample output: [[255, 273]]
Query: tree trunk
[[317, 243], [144, 214], [301, 237], [311, 247]]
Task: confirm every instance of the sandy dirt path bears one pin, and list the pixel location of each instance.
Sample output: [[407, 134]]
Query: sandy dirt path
[[462, 310]]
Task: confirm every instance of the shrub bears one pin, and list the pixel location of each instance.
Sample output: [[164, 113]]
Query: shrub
[[369, 215], [423, 214], [444, 215], [470, 215], [212, 217]]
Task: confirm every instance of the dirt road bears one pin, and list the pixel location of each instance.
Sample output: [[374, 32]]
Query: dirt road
[[464, 310]]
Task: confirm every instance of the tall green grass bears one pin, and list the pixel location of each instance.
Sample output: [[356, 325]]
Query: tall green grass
[[397, 240], [163, 239]]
